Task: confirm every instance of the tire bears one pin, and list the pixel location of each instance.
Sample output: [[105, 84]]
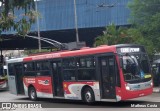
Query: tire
[[32, 94], [88, 95]]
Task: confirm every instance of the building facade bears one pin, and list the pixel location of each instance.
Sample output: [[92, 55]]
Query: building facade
[[59, 14], [57, 19]]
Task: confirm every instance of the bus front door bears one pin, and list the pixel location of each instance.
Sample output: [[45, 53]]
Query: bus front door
[[107, 77], [57, 79]]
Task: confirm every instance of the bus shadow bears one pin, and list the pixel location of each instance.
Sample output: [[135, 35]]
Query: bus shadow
[[3, 90], [63, 103]]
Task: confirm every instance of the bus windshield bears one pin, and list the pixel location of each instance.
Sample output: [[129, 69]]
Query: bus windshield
[[135, 67]]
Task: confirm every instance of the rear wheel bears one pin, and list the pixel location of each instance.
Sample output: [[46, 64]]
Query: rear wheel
[[32, 93], [88, 95]]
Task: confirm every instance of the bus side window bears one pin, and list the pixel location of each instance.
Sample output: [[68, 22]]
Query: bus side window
[[38, 67], [86, 69], [69, 69], [29, 66], [54, 65], [29, 69], [43, 68], [25, 67]]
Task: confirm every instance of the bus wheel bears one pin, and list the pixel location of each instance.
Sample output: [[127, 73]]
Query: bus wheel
[[88, 95], [32, 93]]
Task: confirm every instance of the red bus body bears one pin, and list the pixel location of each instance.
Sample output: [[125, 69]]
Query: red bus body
[[3, 77], [3, 84], [45, 85]]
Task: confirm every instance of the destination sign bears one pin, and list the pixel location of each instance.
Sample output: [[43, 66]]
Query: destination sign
[[128, 50]]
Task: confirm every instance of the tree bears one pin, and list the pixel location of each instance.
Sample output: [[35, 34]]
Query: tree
[[17, 15], [145, 29], [114, 35], [145, 16], [139, 38], [122, 35]]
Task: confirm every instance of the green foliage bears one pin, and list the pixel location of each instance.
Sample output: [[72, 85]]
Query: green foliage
[[114, 35], [36, 51], [20, 23], [145, 16], [139, 38], [121, 35], [143, 10]]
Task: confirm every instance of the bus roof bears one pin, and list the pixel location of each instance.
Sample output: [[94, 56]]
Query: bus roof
[[82, 51], [15, 60]]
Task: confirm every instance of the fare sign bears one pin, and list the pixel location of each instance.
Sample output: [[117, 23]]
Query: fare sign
[[128, 50]]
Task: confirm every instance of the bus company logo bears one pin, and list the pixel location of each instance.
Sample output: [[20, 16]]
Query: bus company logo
[[46, 82], [43, 82], [47, 56], [56, 55], [30, 80]]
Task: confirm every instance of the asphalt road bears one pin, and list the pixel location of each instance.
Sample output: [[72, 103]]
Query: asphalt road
[[70, 105]]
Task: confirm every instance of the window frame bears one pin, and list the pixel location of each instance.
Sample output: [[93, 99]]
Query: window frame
[[69, 69], [87, 68], [40, 72], [30, 71]]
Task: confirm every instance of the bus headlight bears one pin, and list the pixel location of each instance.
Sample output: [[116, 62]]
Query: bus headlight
[[151, 84], [128, 88]]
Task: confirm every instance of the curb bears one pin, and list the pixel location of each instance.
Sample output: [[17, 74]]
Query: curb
[[156, 90]]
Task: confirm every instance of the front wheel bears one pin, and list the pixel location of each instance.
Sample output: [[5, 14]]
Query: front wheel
[[32, 93], [88, 95]]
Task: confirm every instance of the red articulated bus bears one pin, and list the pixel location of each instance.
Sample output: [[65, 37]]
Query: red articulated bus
[[104, 73]]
